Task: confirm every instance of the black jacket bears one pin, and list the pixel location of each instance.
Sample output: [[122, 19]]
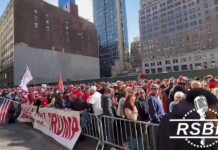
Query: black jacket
[[168, 129], [167, 90], [142, 107], [79, 104], [106, 104], [175, 89]]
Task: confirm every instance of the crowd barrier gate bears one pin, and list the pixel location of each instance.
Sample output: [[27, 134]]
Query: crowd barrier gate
[[119, 133]]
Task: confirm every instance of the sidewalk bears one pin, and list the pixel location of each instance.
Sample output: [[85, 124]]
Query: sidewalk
[[21, 136]]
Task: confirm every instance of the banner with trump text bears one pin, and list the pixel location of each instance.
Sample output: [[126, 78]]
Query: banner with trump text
[[62, 125]]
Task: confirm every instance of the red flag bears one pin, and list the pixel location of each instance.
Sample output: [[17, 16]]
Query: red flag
[[4, 106], [141, 75], [60, 84]]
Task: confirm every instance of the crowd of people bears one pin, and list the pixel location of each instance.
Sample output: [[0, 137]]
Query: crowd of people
[[142, 100]]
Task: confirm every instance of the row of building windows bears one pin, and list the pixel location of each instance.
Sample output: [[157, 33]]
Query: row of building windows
[[178, 13], [167, 5], [191, 15], [47, 24], [182, 60], [196, 66]]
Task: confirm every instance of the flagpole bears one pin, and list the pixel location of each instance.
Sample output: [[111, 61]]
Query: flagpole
[[34, 83]]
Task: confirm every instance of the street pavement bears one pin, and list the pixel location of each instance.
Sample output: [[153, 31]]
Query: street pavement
[[22, 136]]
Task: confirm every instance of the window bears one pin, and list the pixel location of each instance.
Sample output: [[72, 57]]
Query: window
[[146, 65], [153, 64], [197, 58], [204, 56], [47, 28], [184, 67], [206, 5], [168, 69], [159, 63], [205, 65], [212, 55], [183, 60], [195, 23], [159, 70], [36, 25], [47, 21], [176, 68], [191, 67], [199, 14], [35, 18], [175, 61], [200, 21], [198, 66], [35, 11], [153, 71], [167, 61], [147, 71], [213, 64]]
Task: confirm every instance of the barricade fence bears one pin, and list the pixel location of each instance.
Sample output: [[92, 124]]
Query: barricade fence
[[90, 126], [119, 133], [113, 132]]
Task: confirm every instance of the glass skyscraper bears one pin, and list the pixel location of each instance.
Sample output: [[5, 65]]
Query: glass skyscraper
[[112, 31], [64, 3]]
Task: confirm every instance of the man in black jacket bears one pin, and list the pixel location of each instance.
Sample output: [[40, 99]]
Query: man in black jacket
[[142, 106], [106, 104], [106, 101], [169, 128], [181, 86]]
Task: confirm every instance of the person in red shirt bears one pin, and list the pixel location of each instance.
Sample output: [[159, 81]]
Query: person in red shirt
[[44, 100], [25, 100], [79, 92], [86, 95]]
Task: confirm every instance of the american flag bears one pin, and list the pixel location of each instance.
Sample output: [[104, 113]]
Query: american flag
[[4, 107]]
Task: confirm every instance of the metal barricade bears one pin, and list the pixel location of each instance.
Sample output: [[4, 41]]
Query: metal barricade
[[90, 126], [125, 134]]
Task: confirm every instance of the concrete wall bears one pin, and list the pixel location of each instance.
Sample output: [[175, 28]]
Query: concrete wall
[[45, 65]]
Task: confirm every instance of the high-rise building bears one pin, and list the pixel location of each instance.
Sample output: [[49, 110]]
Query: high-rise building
[[47, 39], [136, 53], [171, 29], [111, 24], [65, 4]]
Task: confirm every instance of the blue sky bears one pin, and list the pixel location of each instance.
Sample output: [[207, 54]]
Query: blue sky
[[85, 10]]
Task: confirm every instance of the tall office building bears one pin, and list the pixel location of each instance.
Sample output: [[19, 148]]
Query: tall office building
[[47, 39], [111, 24], [178, 35], [136, 53]]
